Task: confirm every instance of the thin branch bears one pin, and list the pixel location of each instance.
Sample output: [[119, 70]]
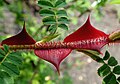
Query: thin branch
[[5, 57]]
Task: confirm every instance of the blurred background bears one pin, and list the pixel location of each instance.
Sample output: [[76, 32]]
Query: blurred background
[[77, 68]]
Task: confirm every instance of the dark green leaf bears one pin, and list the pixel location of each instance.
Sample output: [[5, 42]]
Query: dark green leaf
[[118, 79], [5, 78], [2, 52], [93, 54], [6, 48], [1, 55], [14, 59], [46, 12], [49, 20], [60, 3], [110, 79], [116, 70], [103, 70], [107, 55], [61, 13], [63, 26], [112, 61], [10, 68], [45, 4], [63, 20]]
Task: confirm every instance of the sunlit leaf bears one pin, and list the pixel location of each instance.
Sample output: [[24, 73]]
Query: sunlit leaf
[[60, 3], [115, 2]]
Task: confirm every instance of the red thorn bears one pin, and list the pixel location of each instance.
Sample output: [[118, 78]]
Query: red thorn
[[54, 56], [88, 32], [22, 38]]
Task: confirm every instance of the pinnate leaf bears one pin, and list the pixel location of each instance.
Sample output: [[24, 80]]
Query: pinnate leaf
[[45, 4], [6, 48], [110, 79], [61, 13], [46, 12], [107, 55], [5, 78], [49, 20], [63, 20], [104, 70], [116, 70], [63, 26], [10, 68], [14, 59], [2, 52], [52, 28], [60, 3], [112, 61]]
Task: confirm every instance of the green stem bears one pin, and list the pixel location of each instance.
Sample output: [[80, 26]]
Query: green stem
[[4, 57]]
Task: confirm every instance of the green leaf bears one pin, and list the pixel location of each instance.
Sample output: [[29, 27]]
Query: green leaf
[[2, 55], [50, 37], [53, 28], [46, 12], [5, 78], [49, 20], [63, 20], [115, 2], [93, 54], [107, 55], [116, 70], [10, 68], [112, 61], [45, 4], [14, 59], [118, 79], [61, 13], [60, 3], [2, 52], [110, 79], [104, 70], [6, 48], [63, 26]]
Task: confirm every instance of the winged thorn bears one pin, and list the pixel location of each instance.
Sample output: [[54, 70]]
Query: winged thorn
[[22, 38]]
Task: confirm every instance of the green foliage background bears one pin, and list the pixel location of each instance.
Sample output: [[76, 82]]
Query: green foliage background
[[54, 17]]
